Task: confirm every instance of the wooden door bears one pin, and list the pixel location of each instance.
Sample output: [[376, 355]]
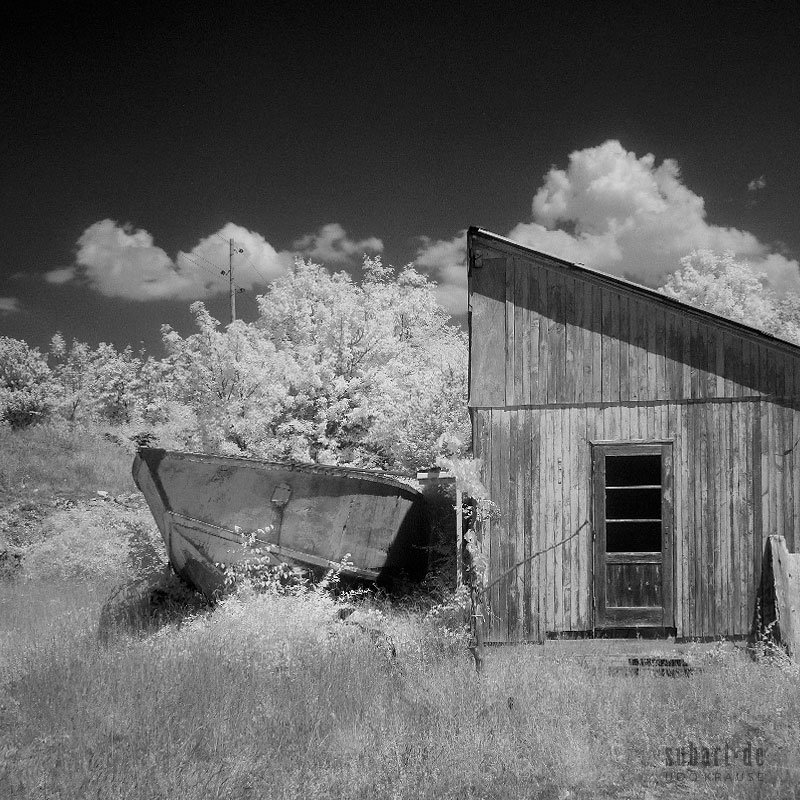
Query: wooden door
[[633, 535]]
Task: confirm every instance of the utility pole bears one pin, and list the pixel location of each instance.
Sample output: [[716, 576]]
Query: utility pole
[[230, 276], [232, 285]]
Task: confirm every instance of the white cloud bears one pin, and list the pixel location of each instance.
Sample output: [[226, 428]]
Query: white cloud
[[618, 213], [8, 305], [756, 184], [331, 245], [62, 275], [255, 260], [445, 261], [119, 261]]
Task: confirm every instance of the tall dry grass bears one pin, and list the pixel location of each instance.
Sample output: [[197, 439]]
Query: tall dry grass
[[275, 697], [58, 458]]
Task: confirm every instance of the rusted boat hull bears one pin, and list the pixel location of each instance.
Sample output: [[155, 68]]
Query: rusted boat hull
[[311, 516]]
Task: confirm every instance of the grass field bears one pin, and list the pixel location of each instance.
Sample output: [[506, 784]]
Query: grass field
[[276, 697]]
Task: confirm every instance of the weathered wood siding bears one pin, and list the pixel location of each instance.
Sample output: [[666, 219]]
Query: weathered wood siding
[[543, 336], [734, 485], [560, 359]]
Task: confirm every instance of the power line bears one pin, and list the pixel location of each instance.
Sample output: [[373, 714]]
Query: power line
[[248, 259], [214, 274]]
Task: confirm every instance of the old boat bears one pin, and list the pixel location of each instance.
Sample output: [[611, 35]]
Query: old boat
[[304, 515]]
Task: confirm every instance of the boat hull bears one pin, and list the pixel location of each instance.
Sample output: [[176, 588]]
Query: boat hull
[[310, 516]]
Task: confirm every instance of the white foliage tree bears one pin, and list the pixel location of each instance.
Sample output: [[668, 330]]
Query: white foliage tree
[[721, 284], [331, 371], [25, 384]]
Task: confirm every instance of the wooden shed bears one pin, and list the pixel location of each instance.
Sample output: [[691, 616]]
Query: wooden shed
[[640, 451]]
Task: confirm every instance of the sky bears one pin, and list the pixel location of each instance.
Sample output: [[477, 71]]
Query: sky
[[137, 141]]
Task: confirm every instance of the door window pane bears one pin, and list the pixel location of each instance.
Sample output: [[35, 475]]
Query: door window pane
[[633, 504]]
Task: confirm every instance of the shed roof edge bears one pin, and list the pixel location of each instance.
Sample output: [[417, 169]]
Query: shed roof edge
[[629, 286]]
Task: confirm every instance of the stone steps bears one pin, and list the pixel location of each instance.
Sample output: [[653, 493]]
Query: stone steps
[[640, 656]]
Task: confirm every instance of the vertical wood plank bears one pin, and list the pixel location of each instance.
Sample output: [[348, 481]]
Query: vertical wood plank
[[716, 361], [499, 495], [627, 372], [686, 531], [795, 539], [609, 348], [518, 270], [757, 529], [687, 371], [556, 338], [676, 364], [568, 526], [697, 348], [709, 519], [709, 334], [735, 499], [695, 540], [572, 338], [507, 510], [511, 346], [581, 338], [777, 462], [668, 532], [558, 521], [548, 521], [489, 532], [529, 631], [537, 496], [636, 378], [596, 340], [581, 490], [522, 271], [788, 451], [722, 487], [753, 521], [533, 273], [657, 353], [673, 432], [512, 587], [654, 353], [543, 373], [575, 489], [767, 469]]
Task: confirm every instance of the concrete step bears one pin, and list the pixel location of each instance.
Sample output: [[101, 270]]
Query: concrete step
[[643, 656]]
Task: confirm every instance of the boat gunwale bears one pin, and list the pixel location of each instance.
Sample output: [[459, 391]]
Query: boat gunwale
[[386, 478]]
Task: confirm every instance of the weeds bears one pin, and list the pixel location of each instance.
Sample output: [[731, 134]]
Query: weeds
[[58, 458], [292, 689]]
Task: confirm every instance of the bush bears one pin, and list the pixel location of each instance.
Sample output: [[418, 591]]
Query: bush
[[96, 542]]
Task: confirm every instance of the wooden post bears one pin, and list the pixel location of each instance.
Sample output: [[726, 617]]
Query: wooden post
[[784, 588]]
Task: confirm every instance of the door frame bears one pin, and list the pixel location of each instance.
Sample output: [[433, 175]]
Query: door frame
[[633, 616]]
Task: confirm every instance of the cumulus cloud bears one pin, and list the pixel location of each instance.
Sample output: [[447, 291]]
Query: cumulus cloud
[[756, 184], [8, 305], [255, 261], [445, 261], [331, 245], [619, 213], [120, 261]]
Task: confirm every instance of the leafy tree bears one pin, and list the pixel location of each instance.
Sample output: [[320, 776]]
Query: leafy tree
[[72, 376], [100, 384], [230, 379], [115, 382], [721, 284], [25, 384], [331, 371]]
